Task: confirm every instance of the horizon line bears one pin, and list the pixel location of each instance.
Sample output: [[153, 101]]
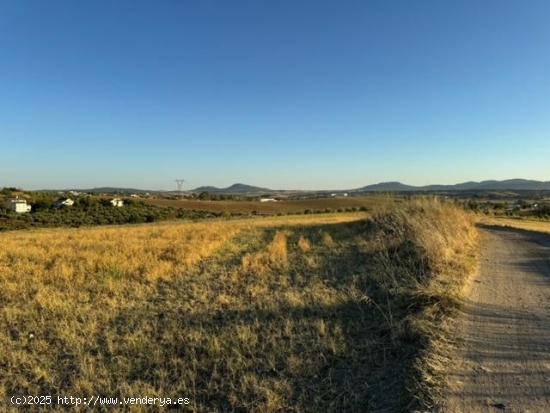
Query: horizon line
[[72, 188]]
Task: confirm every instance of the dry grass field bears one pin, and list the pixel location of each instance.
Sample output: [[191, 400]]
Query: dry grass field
[[537, 225], [332, 312], [272, 208]]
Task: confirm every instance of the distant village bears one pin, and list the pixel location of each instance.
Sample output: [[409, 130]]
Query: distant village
[[20, 205]]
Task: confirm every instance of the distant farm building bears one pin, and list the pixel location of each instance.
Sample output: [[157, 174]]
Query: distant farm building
[[18, 205], [117, 202], [65, 203], [268, 200]]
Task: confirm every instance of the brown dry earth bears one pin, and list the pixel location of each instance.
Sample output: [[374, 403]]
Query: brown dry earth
[[502, 362]]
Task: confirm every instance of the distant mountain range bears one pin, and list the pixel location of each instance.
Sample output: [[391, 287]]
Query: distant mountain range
[[233, 189], [239, 188], [506, 185]]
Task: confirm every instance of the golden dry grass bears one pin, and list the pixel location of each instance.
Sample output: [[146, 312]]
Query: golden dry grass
[[449, 242], [275, 256], [304, 313], [63, 292], [304, 244], [518, 223]]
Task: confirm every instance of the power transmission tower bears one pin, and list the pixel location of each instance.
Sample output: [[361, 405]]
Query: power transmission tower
[[179, 182]]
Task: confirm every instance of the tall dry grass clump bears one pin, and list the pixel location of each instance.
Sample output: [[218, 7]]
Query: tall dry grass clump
[[304, 244], [439, 234], [430, 249], [275, 256]]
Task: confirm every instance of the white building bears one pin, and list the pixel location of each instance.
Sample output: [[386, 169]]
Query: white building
[[268, 200], [18, 205], [117, 202], [65, 203]]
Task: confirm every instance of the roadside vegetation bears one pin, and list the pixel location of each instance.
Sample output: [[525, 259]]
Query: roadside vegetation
[[335, 312], [530, 215], [518, 223], [517, 208]]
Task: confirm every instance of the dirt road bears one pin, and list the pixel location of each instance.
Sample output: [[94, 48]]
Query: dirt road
[[503, 359]]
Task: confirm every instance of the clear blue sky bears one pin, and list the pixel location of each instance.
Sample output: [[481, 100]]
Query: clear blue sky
[[284, 94]]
